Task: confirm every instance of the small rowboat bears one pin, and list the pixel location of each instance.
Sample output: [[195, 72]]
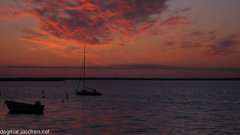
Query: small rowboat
[[18, 107]]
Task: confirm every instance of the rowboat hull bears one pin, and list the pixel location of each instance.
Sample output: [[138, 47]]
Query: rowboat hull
[[18, 107]]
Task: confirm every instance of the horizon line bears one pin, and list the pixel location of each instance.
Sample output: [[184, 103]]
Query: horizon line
[[128, 67]]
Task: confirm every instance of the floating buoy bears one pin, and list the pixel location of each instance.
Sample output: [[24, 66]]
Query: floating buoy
[[62, 101]]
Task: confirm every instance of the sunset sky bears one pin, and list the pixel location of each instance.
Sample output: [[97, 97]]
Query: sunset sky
[[123, 38]]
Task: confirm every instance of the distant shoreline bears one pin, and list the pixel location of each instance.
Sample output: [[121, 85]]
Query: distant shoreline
[[107, 78]]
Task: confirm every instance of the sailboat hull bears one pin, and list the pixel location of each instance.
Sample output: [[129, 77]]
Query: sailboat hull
[[88, 93]]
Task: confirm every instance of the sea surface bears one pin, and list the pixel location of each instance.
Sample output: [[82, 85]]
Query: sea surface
[[161, 107]]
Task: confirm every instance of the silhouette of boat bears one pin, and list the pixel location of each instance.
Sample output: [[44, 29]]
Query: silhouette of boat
[[86, 91], [18, 107], [89, 93]]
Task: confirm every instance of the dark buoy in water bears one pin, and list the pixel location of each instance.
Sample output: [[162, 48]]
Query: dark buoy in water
[[43, 97], [62, 101], [0, 93], [43, 92], [67, 95]]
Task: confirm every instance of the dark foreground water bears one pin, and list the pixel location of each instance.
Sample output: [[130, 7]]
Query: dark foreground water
[[127, 107]]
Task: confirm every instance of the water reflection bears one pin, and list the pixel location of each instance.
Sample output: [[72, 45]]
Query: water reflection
[[127, 107]]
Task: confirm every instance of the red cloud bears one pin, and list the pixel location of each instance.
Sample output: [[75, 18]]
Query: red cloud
[[86, 21], [99, 20]]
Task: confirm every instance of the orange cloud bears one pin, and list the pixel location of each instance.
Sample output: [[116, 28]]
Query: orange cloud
[[31, 47], [65, 49]]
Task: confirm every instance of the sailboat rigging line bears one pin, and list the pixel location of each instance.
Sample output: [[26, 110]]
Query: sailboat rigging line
[[84, 70], [80, 77], [83, 67]]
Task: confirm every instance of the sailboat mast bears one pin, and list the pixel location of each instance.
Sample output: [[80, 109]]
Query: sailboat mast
[[84, 69]]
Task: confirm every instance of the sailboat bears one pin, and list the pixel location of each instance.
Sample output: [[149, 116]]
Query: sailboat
[[86, 91]]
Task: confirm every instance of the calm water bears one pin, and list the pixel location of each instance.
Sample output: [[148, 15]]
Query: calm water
[[127, 107]]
